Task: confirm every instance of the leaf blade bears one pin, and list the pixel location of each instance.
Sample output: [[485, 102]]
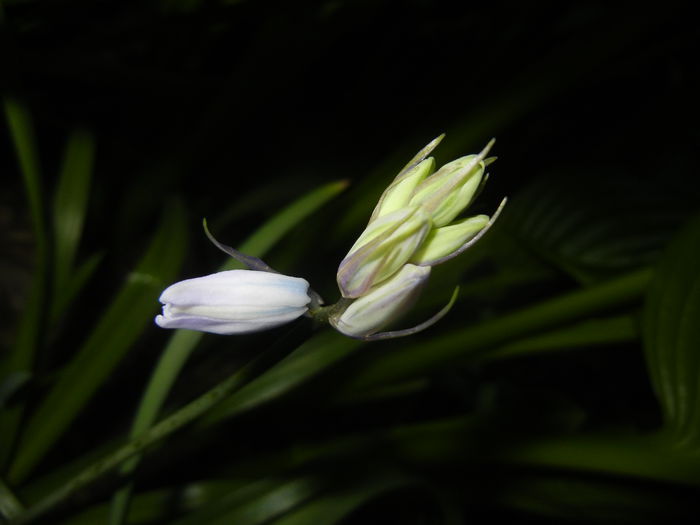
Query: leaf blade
[[127, 315], [672, 334], [70, 204]]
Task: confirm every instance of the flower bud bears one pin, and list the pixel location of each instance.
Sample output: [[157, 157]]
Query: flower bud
[[442, 243], [450, 190], [386, 244], [234, 302], [383, 304], [399, 192]]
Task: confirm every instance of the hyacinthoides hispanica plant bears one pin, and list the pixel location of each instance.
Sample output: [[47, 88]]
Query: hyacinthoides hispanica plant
[[413, 227]]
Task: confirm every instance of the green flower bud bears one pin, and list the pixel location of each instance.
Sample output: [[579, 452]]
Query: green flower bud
[[399, 192], [444, 243], [401, 189], [385, 246], [450, 190], [383, 304]]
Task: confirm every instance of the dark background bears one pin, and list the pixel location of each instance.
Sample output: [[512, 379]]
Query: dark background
[[206, 99]]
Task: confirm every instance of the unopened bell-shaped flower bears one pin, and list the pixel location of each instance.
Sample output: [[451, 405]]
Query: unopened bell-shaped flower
[[234, 302], [382, 249], [450, 190], [444, 243], [384, 304]]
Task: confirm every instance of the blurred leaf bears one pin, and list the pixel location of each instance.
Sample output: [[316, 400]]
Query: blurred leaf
[[21, 358], [330, 508], [69, 208], [598, 500], [22, 134], [302, 500], [672, 334], [315, 355], [129, 313], [623, 454], [77, 280], [183, 342], [419, 358], [158, 505], [256, 503], [38, 487], [10, 507], [146, 508], [10, 385], [259, 198], [584, 334], [605, 226], [274, 229]]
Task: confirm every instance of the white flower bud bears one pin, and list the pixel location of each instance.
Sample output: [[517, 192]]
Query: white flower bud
[[234, 302], [383, 304]]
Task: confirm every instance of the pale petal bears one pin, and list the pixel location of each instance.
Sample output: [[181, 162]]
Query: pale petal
[[228, 326], [233, 302], [370, 263], [238, 287], [441, 242], [383, 304], [399, 193]]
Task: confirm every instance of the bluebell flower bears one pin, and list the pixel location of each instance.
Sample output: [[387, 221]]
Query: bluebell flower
[[234, 302]]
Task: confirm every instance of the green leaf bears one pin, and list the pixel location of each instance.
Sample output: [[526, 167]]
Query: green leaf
[[10, 506], [159, 505], [290, 373], [330, 508], [672, 334], [278, 226], [21, 358], [128, 314], [606, 226], [75, 282], [301, 500], [311, 358], [418, 359], [183, 342], [256, 503], [69, 208], [587, 333], [615, 453], [567, 498], [22, 133]]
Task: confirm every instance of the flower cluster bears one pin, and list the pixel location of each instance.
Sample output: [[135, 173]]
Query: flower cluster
[[414, 226]]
